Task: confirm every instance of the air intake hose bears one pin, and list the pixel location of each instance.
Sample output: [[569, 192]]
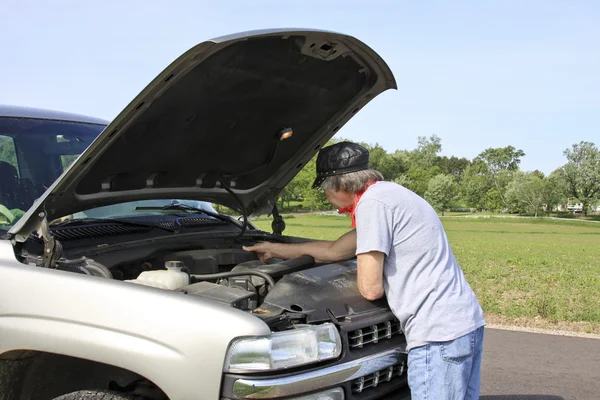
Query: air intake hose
[[280, 269]]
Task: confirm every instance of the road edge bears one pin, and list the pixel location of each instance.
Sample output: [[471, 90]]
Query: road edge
[[554, 332]]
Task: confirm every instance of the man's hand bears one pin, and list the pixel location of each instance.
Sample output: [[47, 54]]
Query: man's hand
[[265, 250], [370, 275]]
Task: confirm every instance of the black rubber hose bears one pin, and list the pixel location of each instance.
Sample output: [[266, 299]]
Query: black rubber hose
[[223, 275], [286, 267]]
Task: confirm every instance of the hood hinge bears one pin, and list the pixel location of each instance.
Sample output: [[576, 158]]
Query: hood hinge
[[52, 247], [278, 224]]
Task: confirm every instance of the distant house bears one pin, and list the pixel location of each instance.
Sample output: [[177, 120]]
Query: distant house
[[570, 207], [574, 207]]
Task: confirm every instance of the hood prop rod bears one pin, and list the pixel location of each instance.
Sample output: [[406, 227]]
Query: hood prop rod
[[236, 197]]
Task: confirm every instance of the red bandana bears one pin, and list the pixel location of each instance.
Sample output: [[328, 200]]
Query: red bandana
[[352, 209]]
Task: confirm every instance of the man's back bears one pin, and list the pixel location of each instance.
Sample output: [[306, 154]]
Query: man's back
[[424, 284]]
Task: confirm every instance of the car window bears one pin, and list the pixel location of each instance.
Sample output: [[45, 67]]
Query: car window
[[8, 170], [33, 154], [8, 154]]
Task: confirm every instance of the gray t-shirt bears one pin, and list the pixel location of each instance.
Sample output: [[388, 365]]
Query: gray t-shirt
[[424, 285]]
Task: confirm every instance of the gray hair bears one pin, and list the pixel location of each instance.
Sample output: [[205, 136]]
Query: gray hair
[[352, 182]]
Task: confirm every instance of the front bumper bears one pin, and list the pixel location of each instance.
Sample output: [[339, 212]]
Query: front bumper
[[375, 370]]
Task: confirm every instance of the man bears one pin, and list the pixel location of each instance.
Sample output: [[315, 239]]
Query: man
[[403, 253]]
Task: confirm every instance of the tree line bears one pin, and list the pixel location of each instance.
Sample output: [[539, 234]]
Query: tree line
[[492, 181]]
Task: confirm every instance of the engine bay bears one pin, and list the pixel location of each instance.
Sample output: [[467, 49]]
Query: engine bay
[[283, 293]]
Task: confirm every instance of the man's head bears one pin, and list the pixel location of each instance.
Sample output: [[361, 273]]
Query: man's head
[[343, 171]]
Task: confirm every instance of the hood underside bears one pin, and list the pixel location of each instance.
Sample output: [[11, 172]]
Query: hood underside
[[211, 122]]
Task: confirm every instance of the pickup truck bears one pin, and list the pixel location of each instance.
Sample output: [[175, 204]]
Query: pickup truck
[[119, 280]]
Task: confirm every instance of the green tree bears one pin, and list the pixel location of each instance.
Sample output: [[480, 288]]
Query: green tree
[[534, 192], [288, 193], [526, 192], [426, 154], [474, 185], [391, 165], [376, 154], [538, 174], [418, 179], [454, 166], [500, 164], [555, 191], [315, 200], [441, 192], [492, 200], [403, 180], [501, 159], [300, 187], [582, 173]]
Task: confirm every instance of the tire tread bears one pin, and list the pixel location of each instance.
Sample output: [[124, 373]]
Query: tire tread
[[98, 395]]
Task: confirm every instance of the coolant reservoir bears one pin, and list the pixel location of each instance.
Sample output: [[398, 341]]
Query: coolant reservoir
[[173, 278]]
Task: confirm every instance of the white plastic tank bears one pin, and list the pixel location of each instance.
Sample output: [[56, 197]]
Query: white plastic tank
[[171, 279]]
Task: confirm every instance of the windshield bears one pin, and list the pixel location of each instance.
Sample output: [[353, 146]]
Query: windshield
[[129, 209], [35, 152]]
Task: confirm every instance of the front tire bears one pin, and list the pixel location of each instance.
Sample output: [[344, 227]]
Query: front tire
[[98, 395]]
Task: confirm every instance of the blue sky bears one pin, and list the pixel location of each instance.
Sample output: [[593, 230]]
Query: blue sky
[[478, 74]]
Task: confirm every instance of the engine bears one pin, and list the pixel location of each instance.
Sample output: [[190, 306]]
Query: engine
[[287, 292], [244, 287], [281, 292]]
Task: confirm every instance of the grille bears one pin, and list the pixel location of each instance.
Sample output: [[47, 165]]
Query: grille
[[377, 378], [374, 333]]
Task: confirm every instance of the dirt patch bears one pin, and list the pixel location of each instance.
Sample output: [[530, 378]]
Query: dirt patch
[[540, 325]]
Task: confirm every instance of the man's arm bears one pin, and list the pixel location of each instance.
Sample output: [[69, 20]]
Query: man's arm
[[370, 275], [322, 251]]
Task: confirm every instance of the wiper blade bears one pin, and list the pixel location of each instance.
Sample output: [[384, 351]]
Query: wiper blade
[[185, 207], [83, 221]]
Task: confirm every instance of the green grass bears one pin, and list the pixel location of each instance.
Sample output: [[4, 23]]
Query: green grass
[[518, 267], [528, 268], [328, 227]]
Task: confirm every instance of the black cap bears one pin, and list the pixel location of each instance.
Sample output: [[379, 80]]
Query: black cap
[[340, 158]]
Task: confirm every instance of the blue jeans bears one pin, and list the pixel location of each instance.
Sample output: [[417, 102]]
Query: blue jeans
[[447, 370]]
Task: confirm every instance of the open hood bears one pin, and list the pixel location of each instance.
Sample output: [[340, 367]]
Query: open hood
[[216, 121]]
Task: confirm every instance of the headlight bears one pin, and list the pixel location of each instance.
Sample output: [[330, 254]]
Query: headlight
[[300, 346]]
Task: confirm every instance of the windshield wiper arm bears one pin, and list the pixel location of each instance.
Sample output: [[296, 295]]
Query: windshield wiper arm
[[109, 221], [185, 207]]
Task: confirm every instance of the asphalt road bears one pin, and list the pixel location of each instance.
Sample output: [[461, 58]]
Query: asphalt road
[[533, 366]]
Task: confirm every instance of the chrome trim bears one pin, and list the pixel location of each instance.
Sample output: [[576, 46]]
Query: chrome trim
[[322, 378], [376, 378], [360, 337]]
